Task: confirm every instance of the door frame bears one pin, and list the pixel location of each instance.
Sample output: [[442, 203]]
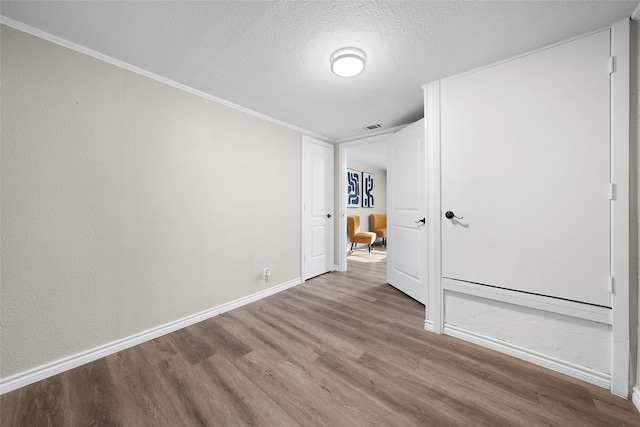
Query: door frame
[[342, 189], [620, 237], [303, 193], [620, 205]]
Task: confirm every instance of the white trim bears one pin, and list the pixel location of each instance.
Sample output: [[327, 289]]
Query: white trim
[[342, 208], [620, 237], [435, 301], [370, 134], [428, 325], [356, 142], [636, 13], [636, 398], [121, 64], [539, 302], [303, 216], [50, 369], [580, 372]]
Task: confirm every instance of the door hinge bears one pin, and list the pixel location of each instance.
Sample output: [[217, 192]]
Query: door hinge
[[612, 191], [612, 64], [611, 286]]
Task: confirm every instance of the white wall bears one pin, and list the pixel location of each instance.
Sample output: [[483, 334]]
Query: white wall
[[380, 203], [127, 203]]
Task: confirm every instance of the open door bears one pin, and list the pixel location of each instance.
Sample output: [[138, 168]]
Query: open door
[[407, 211], [317, 209]]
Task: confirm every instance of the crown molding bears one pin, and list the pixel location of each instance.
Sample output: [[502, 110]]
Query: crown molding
[[121, 64]]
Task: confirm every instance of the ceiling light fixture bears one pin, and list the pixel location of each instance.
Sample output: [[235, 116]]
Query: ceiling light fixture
[[348, 61]]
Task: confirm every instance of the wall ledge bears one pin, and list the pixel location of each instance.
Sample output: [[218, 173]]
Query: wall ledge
[[50, 369]]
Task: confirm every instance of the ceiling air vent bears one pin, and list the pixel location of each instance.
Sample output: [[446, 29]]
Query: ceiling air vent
[[372, 127]]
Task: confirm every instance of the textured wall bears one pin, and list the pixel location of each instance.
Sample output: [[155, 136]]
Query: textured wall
[[570, 339], [127, 203]]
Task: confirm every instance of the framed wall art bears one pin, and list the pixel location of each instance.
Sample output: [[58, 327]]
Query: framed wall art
[[368, 190], [353, 188]]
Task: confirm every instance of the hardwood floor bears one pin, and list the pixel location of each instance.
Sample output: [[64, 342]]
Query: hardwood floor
[[343, 349]]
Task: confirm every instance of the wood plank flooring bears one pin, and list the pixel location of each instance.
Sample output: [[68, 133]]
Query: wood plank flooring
[[343, 349]]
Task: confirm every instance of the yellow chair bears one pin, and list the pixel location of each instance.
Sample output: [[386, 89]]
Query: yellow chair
[[379, 226], [356, 236]]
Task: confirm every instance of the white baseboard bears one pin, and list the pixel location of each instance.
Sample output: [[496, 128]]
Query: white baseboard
[[50, 369], [636, 398], [580, 372], [428, 325]]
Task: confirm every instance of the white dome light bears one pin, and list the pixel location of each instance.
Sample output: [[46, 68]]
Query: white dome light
[[348, 61]]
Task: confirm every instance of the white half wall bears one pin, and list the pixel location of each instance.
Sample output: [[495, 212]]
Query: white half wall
[[577, 341]]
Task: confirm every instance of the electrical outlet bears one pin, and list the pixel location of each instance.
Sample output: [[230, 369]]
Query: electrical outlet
[[266, 273]]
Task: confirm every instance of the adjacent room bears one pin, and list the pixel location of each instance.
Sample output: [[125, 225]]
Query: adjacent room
[[276, 213], [367, 194]]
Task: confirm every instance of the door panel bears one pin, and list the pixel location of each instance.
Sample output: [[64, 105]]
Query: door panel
[[407, 255], [407, 204], [526, 165], [318, 241], [318, 203]]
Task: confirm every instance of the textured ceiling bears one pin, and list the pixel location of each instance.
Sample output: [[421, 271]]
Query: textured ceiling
[[272, 57]]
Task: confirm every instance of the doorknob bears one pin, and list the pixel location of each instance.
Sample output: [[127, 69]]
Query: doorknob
[[451, 215], [328, 215], [423, 221]]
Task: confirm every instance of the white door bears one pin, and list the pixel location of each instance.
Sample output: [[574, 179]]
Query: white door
[[317, 207], [526, 168], [406, 212]]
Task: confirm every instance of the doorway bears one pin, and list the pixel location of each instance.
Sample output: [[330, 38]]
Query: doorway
[[368, 155]]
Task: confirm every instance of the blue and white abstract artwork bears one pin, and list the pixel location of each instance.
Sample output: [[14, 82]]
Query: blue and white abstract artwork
[[353, 188], [368, 189]]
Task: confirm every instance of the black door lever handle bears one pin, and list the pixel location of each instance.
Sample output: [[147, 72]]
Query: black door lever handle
[[451, 215], [423, 221]]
